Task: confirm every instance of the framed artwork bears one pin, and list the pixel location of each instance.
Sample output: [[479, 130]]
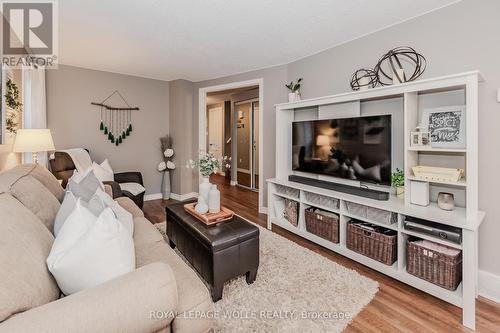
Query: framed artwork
[[446, 126]]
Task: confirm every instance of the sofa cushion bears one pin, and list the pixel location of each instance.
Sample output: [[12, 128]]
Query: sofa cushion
[[37, 198], [25, 243], [48, 180], [193, 294]]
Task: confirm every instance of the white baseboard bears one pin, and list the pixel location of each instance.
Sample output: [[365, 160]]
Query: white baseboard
[[263, 210], [183, 197], [154, 196], [179, 197], [234, 183], [489, 286]]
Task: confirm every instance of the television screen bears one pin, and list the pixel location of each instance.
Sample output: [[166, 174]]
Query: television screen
[[351, 148]]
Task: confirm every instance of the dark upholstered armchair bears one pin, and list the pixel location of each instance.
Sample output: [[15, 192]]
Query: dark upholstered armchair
[[62, 167]]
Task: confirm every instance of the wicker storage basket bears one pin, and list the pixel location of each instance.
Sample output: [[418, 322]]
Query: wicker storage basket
[[375, 244], [356, 209], [318, 199], [288, 191], [291, 212], [380, 215], [323, 225], [438, 268]]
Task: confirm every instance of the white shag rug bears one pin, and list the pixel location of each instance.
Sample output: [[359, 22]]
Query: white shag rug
[[296, 290]]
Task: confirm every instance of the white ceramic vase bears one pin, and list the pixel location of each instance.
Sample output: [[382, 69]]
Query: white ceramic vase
[[201, 207], [205, 187], [214, 200], [294, 97]]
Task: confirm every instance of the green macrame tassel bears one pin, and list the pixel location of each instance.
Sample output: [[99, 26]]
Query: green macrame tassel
[[130, 128], [112, 138], [117, 143], [101, 127], [105, 129], [127, 132], [120, 140]]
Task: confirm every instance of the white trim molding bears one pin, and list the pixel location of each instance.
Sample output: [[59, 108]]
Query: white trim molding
[[202, 120], [263, 210], [178, 197], [182, 197], [489, 286]]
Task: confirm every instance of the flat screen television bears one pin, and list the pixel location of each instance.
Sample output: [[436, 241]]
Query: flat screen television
[[351, 148]]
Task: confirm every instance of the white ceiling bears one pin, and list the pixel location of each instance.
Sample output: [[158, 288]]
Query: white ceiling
[[199, 39]]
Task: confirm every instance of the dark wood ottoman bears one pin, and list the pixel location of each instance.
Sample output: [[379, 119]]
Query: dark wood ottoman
[[218, 252]]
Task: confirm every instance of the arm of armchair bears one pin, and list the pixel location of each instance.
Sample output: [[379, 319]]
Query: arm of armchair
[[129, 177], [129, 303], [116, 191]]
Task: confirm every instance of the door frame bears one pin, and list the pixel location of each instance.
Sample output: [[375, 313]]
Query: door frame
[[252, 137], [221, 106], [202, 123]]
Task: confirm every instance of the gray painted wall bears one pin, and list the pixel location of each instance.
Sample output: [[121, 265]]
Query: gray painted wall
[[75, 123], [455, 39]]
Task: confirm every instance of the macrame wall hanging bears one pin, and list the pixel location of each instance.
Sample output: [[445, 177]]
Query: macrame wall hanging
[[116, 122]]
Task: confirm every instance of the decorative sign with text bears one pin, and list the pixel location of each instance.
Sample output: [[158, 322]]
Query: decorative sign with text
[[446, 126]]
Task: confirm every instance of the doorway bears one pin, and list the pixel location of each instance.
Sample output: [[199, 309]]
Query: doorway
[[246, 115], [206, 98], [215, 130]]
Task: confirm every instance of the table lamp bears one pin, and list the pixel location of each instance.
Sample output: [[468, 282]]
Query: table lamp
[[33, 141]]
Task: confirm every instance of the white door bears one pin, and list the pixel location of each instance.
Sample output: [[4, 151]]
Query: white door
[[215, 131]]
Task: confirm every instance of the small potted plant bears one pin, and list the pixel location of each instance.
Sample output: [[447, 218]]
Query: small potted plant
[[294, 87], [398, 181]]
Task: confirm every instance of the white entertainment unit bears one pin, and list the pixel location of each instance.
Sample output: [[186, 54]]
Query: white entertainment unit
[[406, 101]]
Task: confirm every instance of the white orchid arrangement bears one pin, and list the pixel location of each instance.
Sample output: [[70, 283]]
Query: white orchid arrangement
[[208, 164], [168, 153]]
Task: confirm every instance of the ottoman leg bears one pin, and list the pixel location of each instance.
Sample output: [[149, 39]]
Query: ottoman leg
[[251, 275], [216, 292], [172, 244]]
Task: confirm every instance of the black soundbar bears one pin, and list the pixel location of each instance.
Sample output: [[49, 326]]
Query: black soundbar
[[359, 191]]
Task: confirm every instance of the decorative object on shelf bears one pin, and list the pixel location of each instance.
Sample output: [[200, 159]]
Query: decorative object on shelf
[[419, 193], [420, 137], [207, 163], [224, 214], [14, 108], [116, 122], [446, 201], [294, 94], [435, 174], [204, 189], [166, 165], [201, 206], [214, 200], [401, 64], [446, 126], [291, 213], [398, 182], [363, 79]]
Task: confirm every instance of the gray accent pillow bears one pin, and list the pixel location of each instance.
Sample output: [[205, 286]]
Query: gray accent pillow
[[84, 186], [95, 205]]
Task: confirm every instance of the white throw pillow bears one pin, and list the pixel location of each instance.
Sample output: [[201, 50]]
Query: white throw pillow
[[84, 185], [134, 188], [89, 251], [121, 213], [103, 171]]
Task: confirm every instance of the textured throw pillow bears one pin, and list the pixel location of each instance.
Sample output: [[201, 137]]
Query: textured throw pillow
[[84, 185], [37, 198], [95, 206], [89, 251], [133, 188], [103, 171], [120, 213]]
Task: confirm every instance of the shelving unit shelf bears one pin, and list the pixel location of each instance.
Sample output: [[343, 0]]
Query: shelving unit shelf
[[407, 102]]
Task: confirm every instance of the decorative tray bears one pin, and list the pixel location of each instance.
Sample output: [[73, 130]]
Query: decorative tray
[[437, 174], [210, 218]]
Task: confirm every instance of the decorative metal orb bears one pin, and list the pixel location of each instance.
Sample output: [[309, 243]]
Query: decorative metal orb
[[364, 78], [402, 61]]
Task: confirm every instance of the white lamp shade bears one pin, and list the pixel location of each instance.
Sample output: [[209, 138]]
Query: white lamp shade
[[33, 140]]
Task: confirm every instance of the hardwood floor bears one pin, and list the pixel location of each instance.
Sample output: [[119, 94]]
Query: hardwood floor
[[397, 307]]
